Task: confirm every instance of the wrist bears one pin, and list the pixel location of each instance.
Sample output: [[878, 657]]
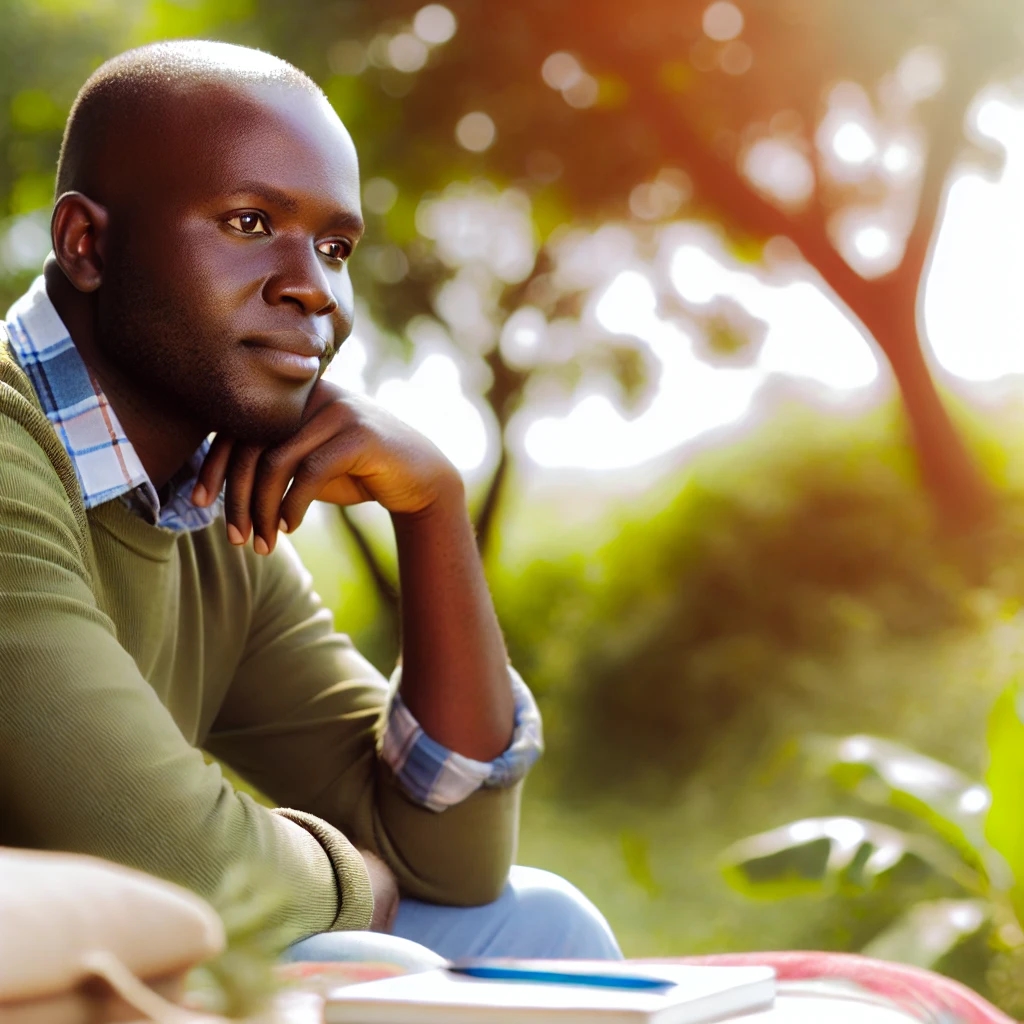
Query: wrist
[[447, 504]]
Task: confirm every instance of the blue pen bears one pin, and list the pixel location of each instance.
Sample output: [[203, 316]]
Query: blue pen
[[495, 973]]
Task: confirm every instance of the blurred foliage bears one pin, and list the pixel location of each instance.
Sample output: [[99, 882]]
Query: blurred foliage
[[239, 982], [951, 824], [736, 604]]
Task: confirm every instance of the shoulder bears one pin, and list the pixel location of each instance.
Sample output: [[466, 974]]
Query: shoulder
[[34, 467]]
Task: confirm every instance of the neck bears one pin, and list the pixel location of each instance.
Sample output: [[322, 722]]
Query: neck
[[162, 440]]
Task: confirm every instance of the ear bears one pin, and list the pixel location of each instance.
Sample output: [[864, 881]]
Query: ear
[[78, 232]]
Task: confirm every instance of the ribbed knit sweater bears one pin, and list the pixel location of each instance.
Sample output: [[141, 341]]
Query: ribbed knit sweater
[[127, 649]]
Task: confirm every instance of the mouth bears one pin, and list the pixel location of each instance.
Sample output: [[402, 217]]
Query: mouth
[[293, 355]]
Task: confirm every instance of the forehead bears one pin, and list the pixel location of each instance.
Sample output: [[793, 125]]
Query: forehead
[[284, 137]]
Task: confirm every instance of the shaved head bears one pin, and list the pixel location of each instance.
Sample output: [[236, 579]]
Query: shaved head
[[130, 94]]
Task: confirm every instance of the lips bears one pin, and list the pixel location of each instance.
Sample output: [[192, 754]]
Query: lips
[[291, 354]]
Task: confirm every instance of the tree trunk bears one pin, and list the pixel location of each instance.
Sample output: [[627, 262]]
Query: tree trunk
[[949, 470], [886, 306]]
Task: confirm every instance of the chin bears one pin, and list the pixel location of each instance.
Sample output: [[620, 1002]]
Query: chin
[[261, 424]]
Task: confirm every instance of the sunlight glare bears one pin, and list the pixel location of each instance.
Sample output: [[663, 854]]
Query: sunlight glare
[[973, 302], [853, 143], [522, 335], [627, 305], [847, 832], [432, 401], [872, 242], [899, 160], [697, 275], [974, 800], [808, 335], [692, 398]]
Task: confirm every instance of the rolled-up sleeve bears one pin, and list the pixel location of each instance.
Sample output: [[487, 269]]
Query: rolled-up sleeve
[[438, 778]]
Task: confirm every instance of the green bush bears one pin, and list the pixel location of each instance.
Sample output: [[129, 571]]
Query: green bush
[[755, 593]]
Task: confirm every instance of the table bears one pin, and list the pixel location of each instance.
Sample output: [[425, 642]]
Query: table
[[814, 988]]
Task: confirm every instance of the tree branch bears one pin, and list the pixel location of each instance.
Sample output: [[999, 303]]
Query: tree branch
[[503, 396], [387, 592], [487, 513]]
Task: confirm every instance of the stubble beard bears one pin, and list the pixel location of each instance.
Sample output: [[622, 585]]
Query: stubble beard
[[176, 361]]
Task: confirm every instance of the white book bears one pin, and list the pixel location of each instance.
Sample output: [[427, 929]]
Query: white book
[[691, 995]]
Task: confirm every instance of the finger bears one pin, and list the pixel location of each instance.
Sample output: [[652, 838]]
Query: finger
[[238, 494], [213, 471], [327, 467], [275, 470]]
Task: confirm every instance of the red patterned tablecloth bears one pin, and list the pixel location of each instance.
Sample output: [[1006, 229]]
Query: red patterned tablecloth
[[923, 995]]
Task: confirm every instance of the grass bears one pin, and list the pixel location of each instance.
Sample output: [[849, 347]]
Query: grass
[[651, 865]]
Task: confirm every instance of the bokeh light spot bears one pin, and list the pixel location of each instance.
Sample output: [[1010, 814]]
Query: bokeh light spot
[[434, 24], [853, 143], [475, 132], [778, 167], [872, 242], [379, 195], [737, 58], [921, 73], [407, 52], [722, 21], [561, 70], [900, 160], [582, 93], [346, 57]]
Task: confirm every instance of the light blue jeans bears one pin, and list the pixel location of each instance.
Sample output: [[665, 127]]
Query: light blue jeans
[[538, 915]]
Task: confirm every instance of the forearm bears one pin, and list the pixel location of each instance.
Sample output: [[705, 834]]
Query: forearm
[[454, 666]]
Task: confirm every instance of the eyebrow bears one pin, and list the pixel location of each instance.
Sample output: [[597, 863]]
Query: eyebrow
[[277, 197]]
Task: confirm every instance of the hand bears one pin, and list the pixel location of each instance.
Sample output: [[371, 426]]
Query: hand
[[347, 450], [385, 892]]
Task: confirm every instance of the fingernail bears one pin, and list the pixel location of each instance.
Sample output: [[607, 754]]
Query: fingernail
[[282, 526], [200, 495], [260, 546], [235, 535]]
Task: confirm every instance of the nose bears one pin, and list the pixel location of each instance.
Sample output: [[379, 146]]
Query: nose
[[301, 279]]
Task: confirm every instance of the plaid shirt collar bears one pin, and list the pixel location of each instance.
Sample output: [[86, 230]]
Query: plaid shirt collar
[[105, 462]]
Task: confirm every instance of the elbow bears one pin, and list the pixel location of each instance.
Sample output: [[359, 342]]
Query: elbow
[[461, 856]]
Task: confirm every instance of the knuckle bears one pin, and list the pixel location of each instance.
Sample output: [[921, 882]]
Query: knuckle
[[274, 461]]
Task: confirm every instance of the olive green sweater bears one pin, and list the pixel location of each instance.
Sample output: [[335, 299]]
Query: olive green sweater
[[126, 649]]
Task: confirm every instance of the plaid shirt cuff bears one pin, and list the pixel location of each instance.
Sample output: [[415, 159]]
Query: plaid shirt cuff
[[436, 777]]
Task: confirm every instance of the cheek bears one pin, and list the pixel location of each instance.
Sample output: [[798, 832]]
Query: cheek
[[216, 274]]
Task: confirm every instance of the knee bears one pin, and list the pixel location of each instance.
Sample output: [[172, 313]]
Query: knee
[[338, 947], [552, 907]]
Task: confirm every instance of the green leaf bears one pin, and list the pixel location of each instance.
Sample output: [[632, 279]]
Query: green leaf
[[240, 981], [826, 854], [1004, 825], [928, 931], [890, 774], [636, 852]]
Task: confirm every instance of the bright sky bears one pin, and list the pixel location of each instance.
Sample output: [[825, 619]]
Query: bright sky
[[974, 317]]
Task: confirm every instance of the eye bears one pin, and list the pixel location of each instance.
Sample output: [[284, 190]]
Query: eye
[[335, 250], [249, 223]]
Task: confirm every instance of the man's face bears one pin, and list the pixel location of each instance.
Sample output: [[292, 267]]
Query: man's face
[[225, 291]]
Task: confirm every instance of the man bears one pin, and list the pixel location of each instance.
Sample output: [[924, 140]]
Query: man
[[207, 203]]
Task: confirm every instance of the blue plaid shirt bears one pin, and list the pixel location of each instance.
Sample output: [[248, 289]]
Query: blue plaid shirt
[[109, 469]]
